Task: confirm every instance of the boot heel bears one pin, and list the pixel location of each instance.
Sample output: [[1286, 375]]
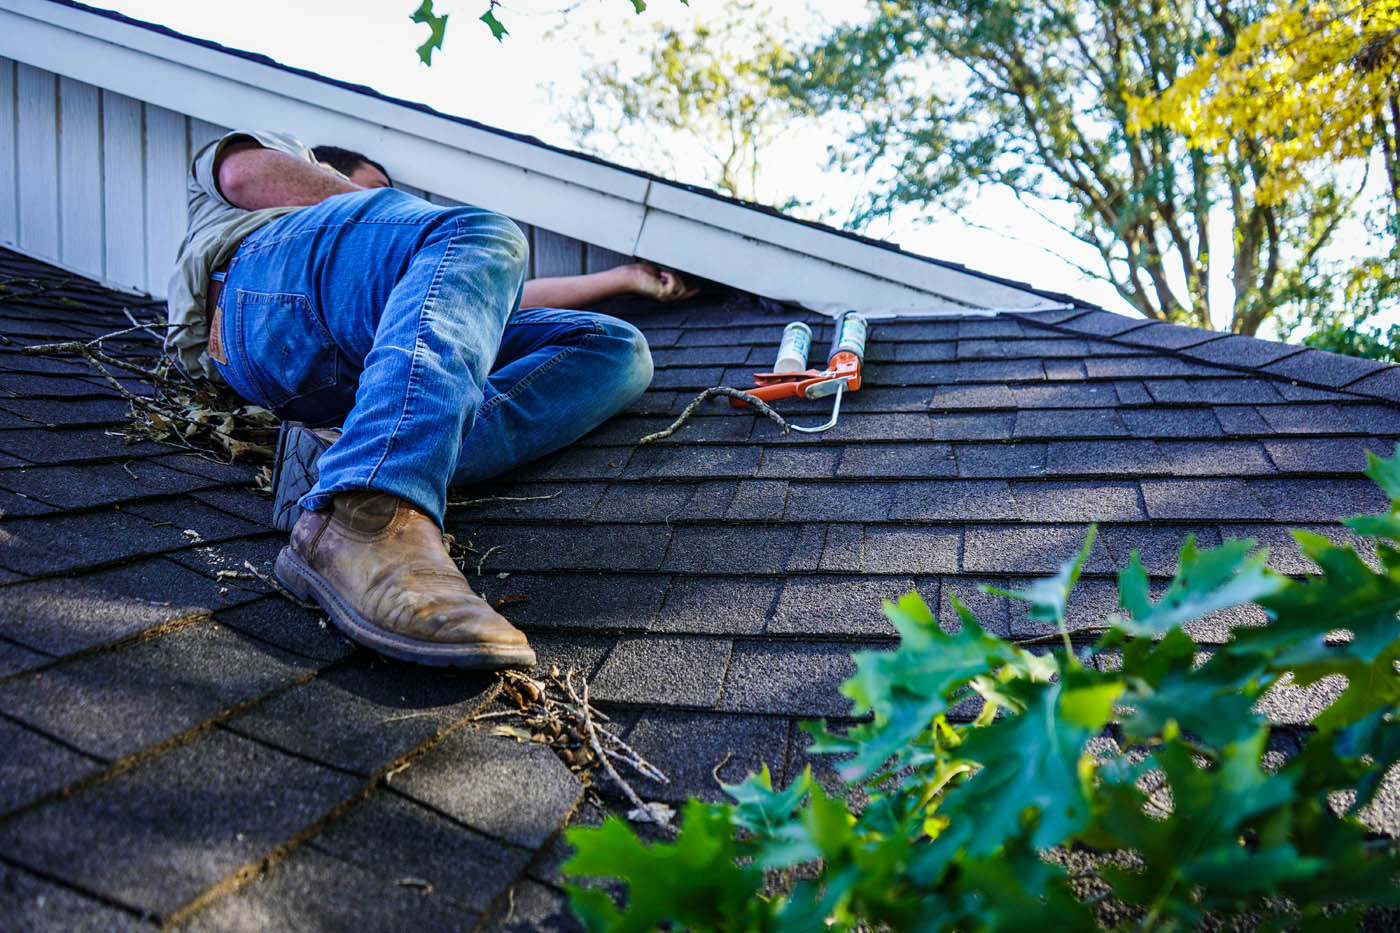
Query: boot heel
[[291, 577]]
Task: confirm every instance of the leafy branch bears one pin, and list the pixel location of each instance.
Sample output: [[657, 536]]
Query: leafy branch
[[1152, 772]]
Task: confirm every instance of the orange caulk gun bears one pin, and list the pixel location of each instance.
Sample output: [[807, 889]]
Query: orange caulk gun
[[792, 379]]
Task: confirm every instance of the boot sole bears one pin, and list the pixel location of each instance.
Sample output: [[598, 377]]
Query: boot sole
[[305, 583]]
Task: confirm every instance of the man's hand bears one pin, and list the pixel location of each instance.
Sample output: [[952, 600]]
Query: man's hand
[[658, 284], [252, 177]]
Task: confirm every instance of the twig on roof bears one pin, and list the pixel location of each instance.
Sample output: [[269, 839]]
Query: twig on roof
[[641, 808], [704, 397], [465, 503]]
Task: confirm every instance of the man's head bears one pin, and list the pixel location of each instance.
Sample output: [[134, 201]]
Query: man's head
[[359, 168]]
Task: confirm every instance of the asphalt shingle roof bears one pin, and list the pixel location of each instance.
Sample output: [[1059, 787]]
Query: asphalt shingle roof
[[186, 746]]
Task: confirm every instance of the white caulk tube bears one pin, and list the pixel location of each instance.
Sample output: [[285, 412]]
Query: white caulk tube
[[849, 336], [793, 351]]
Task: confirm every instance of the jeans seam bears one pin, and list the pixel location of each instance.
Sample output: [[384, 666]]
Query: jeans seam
[[425, 314], [535, 373]]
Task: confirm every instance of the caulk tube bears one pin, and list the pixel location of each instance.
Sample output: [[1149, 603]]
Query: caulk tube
[[793, 351], [849, 336]]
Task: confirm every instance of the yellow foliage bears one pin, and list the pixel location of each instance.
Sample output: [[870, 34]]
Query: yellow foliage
[[1314, 80]]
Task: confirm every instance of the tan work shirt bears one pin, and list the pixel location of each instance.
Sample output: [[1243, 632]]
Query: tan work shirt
[[215, 228]]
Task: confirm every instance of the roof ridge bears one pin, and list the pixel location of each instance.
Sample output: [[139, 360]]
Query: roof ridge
[[1274, 359]]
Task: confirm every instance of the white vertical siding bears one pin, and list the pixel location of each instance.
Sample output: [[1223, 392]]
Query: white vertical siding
[[80, 175], [9, 207], [36, 126], [167, 160], [124, 191], [95, 181]]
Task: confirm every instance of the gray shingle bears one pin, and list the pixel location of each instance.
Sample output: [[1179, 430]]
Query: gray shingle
[[1054, 424], [1091, 602], [1168, 336], [892, 549], [116, 703], [663, 671], [795, 679], [1004, 460], [1311, 500], [1325, 454], [1215, 458], [15, 658], [1103, 457], [806, 554], [852, 426], [953, 398], [1105, 323], [1323, 368], [1007, 549], [52, 544], [34, 765], [98, 484], [594, 547], [1244, 352], [1158, 546], [1172, 422], [393, 838], [844, 548], [836, 502], [293, 628], [694, 378], [724, 606], [66, 614], [1065, 370], [31, 903], [952, 500], [1201, 498], [904, 460], [758, 500], [1131, 392], [938, 352], [381, 710], [989, 610], [518, 792], [566, 650], [1240, 420], [311, 889], [980, 427], [1078, 501], [1000, 327], [157, 835], [697, 751], [702, 462], [577, 462], [1072, 395], [552, 501], [1384, 384], [600, 602], [731, 549], [799, 462], [1136, 367], [849, 606]]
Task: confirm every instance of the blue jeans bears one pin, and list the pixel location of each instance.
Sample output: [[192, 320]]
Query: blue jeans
[[403, 319]]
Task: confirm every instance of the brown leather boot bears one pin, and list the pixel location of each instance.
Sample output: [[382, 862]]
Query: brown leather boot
[[378, 566]]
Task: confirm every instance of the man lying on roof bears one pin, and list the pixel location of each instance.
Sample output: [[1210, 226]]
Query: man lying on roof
[[330, 299]]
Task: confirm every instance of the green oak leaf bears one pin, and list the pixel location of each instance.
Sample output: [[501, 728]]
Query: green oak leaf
[[693, 881], [497, 30], [1386, 473], [639, 5], [437, 25], [1206, 581]]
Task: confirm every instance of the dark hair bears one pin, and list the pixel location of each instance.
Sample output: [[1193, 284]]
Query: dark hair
[[345, 161]]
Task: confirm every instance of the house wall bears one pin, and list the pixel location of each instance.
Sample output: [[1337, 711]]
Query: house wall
[[94, 181]]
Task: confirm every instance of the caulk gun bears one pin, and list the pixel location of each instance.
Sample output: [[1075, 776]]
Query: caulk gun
[[842, 373]]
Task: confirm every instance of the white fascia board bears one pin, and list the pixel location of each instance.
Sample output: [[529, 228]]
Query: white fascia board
[[777, 272], [873, 260], [595, 203]]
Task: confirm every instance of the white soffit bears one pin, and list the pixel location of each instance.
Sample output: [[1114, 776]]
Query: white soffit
[[610, 207]]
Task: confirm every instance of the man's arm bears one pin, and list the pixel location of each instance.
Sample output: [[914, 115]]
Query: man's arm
[[580, 291], [252, 177]]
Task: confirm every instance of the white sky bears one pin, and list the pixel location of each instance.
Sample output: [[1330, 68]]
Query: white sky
[[524, 83]]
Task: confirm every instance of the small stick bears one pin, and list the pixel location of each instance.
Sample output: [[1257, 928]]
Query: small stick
[[277, 585], [705, 396], [489, 551], [714, 772], [489, 499], [603, 758]]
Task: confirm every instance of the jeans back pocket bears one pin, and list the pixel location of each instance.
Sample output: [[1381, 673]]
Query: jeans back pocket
[[287, 349]]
